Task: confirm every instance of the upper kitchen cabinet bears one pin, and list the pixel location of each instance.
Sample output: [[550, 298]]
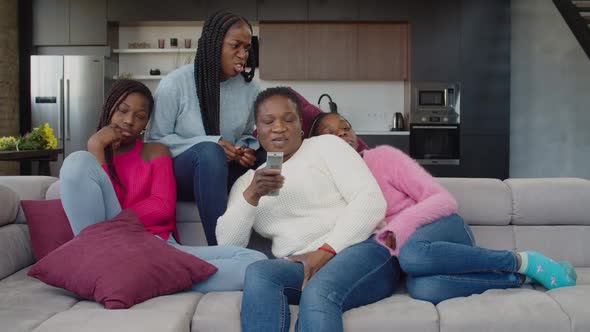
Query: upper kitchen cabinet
[[69, 22], [282, 57], [332, 52], [156, 10], [436, 40], [380, 60], [333, 10], [246, 8], [383, 10], [51, 24], [88, 22], [282, 10]]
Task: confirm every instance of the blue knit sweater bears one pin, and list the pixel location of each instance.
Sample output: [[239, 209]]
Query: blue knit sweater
[[177, 122]]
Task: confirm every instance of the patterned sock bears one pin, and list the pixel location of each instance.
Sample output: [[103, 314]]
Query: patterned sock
[[544, 270], [570, 270]]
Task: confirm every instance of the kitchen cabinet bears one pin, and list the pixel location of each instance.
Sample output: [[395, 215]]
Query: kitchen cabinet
[[282, 10], [246, 8], [379, 60], [88, 22], [383, 10], [156, 10], [69, 22], [283, 51], [435, 40], [333, 10], [51, 22], [334, 51]]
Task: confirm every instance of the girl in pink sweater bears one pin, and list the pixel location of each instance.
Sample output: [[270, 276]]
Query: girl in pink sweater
[[119, 171], [435, 247]]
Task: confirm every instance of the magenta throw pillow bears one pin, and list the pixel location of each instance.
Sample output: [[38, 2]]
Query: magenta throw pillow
[[49, 227], [118, 264]]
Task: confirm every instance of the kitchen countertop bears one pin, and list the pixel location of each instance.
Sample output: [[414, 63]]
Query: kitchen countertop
[[402, 133]]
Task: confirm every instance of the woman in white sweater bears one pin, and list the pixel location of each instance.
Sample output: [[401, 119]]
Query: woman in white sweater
[[321, 222]]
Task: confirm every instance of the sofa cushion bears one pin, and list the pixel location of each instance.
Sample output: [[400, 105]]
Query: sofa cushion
[[552, 201], [117, 263], [10, 204], [28, 187], [481, 201], [574, 301], [15, 249], [494, 237], [19, 291], [221, 312], [100, 320], [48, 225], [570, 243], [503, 310]]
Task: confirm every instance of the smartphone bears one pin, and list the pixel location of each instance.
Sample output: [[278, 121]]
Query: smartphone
[[274, 160]]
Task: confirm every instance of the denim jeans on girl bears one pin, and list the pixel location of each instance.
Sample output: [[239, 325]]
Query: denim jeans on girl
[[441, 262], [361, 274], [204, 175], [88, 197]]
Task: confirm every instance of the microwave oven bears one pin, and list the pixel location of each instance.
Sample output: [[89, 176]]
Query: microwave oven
[[435, 102]]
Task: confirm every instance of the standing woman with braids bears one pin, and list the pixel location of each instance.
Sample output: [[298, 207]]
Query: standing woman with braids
[[120, 171], [204, 115]]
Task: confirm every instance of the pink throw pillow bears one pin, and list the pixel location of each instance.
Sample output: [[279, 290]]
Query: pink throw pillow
[[48, 225], [119, 264]]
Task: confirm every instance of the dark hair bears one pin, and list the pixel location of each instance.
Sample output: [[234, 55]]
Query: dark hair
[[208, 66], [119, 91], [277, 91], [313, 130]]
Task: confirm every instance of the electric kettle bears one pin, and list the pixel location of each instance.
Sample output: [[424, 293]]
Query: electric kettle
[[398, 122]]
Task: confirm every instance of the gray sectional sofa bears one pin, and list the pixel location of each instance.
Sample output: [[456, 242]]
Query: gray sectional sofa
[[549, 215]]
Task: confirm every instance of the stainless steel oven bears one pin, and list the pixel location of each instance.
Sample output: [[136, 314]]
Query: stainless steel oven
[[435, 144], [434, 123]]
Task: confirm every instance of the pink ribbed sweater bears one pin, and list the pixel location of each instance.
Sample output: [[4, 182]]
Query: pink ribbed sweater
[[150, 190], [413, 196]]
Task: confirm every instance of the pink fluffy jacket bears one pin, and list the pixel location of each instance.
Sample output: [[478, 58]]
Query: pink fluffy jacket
[[414, 198]]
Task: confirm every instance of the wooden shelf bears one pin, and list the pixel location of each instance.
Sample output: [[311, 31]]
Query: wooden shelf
[[154, 50], [143, 77]]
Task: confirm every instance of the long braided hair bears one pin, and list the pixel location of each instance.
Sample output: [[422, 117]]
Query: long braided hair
[[119, 91], [208, 66]]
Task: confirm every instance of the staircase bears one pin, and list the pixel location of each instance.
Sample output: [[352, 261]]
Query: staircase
[[576, 14]]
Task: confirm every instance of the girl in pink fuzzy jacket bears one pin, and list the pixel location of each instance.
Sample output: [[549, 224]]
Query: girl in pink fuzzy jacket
[[434, 246]]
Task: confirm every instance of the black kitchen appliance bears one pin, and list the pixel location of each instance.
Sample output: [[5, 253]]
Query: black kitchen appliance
[[435, 123], [398, 122]]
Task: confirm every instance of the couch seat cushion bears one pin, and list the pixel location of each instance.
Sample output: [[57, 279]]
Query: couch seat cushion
[[221, 312], [518, 309], [575, 302], [100, 320], [26, 302]]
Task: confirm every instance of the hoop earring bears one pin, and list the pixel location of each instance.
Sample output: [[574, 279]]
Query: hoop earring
[[302, 133]]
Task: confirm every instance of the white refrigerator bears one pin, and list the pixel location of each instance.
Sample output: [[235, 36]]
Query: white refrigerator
[[68, 92]]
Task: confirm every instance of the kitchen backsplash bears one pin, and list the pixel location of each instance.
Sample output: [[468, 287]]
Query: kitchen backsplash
[[368, 105]]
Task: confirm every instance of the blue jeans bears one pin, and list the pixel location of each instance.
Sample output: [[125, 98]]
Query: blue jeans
[[441, 262], [204, 175], [361, 274], [88, 197]]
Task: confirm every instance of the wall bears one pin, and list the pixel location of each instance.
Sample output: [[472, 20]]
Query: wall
[[550, 103], [9, 125]]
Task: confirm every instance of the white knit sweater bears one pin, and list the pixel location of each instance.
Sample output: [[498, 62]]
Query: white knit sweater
[[329, 196]]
